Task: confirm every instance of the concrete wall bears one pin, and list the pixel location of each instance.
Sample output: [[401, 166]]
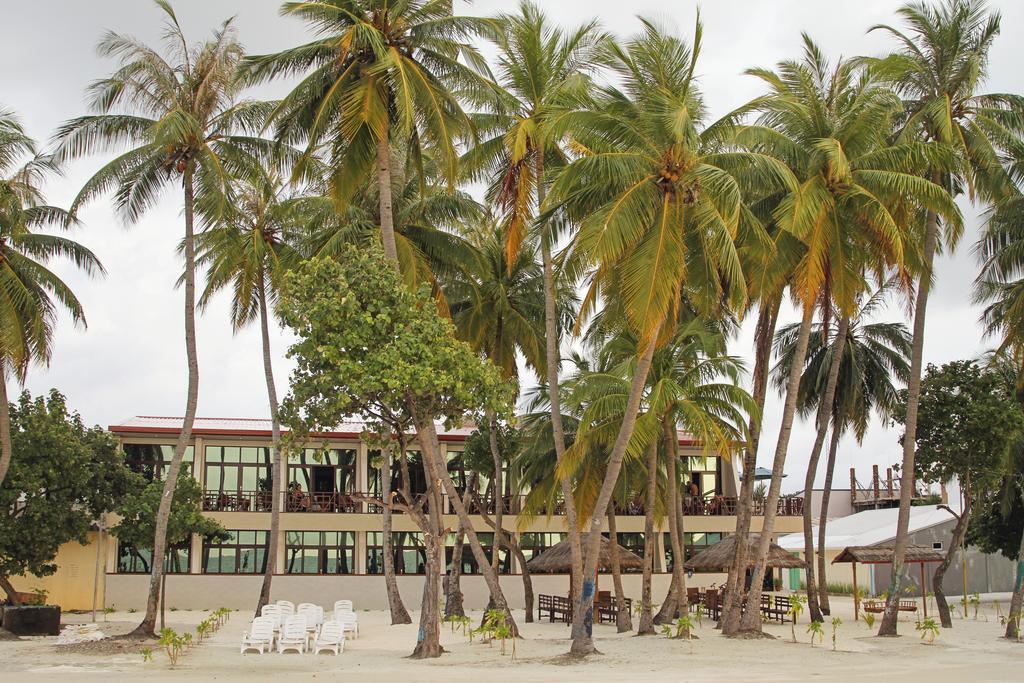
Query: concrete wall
[[839, 503], [71, 586], [128, 591]]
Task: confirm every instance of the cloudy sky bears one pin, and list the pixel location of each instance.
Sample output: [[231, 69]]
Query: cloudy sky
[[131, 359]]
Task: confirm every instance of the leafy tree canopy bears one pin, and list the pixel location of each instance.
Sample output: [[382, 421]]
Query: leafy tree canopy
[[967, 419], [999, 525], [476, 453], [62, 476], [368, 346], [138, 515]]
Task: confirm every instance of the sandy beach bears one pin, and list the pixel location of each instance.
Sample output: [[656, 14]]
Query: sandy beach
[[971, 651]]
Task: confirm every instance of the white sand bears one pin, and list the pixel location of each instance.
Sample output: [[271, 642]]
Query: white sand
[[971, 651]]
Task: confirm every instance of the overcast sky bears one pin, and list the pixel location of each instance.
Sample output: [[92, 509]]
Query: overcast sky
[[131, 360]]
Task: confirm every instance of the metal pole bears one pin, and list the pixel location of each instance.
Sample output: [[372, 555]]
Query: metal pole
[[924, 591], [856, 594], [96, 573]]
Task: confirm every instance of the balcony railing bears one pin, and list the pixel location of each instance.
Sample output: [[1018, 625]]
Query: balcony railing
[[260, 501]]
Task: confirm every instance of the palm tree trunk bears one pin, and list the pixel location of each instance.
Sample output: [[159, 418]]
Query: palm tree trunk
[[767, 319], [824, 413], [959, 533], [623, 619], [751, 619], [509, 542], [399, 614], [387, 217], [428, 638], [889, 618], [492, 433], [675, 603], [148, 626], [830, 467], [583, 613], [431, 457], [5, 424], [277, 479], [646, 627], [552, 363], [1013, 621]]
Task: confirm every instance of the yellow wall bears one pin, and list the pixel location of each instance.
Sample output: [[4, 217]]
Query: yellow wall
[[71, 586]]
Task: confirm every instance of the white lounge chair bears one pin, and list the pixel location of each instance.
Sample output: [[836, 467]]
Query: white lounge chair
[[294, 635], [349, 622], [343, 605], [331, 637], [313, 615], [286, 608], [259, 637], [272, 612]]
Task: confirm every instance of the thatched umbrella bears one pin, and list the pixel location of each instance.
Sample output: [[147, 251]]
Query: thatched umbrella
[[719, 557], [558, 558]]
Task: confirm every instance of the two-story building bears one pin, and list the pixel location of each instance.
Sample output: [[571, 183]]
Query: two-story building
[[331, 533]]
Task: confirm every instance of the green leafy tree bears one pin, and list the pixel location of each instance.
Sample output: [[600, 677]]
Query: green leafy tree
[[63, 476], [30, 293], [967, 421], [179, 115], [938, 68], [379, 72], [138, 513], [369, 346]]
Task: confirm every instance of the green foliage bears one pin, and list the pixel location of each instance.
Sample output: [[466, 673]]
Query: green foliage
[[967, 420], [461, 622], [172, 643], [836, 623], [815, 628], [147, 654], [138, 515], [869, 619], [366, 345], [929, 629], [683, 628], [476, 453], [63, 475], [975, 601], [796, 608], [496, 626]]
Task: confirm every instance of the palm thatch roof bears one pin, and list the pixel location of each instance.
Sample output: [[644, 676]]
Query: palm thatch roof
[[558, 558], [882, 554], [720, 555]]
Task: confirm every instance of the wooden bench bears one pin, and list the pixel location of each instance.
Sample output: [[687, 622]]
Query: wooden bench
[[878, 606], [555, 606]]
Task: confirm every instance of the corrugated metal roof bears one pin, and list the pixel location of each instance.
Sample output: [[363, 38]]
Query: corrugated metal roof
[[871, 527], [247, 426]]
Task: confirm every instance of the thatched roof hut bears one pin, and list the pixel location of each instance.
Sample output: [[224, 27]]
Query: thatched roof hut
[[719, 557], [882, 554], [558, 558]]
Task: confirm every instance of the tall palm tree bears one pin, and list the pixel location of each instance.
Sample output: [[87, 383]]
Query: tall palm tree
[[380, 72], [30, 293], [248, 252], [875, 360], [179, 114], [658, 206], [544, 73], [938, 67], [850, 214]]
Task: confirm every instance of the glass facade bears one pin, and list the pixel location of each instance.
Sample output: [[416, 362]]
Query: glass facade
[[132, 560], [320, 552], [245, 552], [152, 460], [238, 478], [693, 543], [533, 544]]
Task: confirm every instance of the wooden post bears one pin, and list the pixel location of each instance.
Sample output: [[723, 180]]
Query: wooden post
[[924, 591], [853, 486], [874, 482], [856, 594], [888, 481]]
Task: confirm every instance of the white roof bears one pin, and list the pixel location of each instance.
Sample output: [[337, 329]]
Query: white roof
[[247, 426], [871, 527]]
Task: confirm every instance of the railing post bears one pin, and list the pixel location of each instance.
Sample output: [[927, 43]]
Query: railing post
[[875, 483], [853, 486]]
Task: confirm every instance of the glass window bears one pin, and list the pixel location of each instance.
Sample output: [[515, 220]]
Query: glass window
[[245, 552], [322, 480], [238, 479], [693, 543], [407, 550], [533, 544], [469, 564], [320, 552], [152, 460], [132, 560]]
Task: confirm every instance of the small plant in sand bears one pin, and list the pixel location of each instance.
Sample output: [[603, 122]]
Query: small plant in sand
[[869, 619], [147, 654], [496, 627], [172, 644], [461, 622], [815, 628], [700, 614], [975, 601], [107, 611], [929, 630], [202, 630], [683, 628], [796, 608], [836, 623]]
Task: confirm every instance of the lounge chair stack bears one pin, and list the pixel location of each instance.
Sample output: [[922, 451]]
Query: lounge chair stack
[[301, 628]]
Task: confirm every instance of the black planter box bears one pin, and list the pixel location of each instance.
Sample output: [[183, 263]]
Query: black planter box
[[32, 620]]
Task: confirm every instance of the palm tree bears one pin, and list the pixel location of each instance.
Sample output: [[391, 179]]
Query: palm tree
[[850, 214], [248, 252], [30, 293], [658, 207], [939, 65], [379, 72], [178, 113], [875, 360], [544, 73]]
